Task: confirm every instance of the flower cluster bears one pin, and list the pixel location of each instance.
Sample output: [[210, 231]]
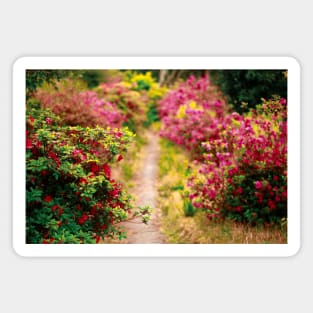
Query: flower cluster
[[146, 82], [130, 102], [192, 113], [70, 194], [244, 172], [78, 107], [241, 160], [134, 95]]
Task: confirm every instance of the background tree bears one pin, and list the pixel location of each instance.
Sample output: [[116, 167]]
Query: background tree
[[244, 89], [35, 78]]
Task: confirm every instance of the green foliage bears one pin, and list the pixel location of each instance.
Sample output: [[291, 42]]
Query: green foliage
[[245, 88], [131, 103], [173, 173], [145, 213], [70, 194], [136, 96], [92, 77], [189, 209], [127, 171], [255, 205], [36, 78], [152, 115]]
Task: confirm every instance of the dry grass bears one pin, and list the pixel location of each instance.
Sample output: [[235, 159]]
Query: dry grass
[[196, 230], [124, 171]]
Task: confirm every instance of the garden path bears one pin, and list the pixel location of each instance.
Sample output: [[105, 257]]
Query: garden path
[[145, 191]]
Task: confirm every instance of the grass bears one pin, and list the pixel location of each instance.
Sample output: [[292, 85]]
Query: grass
[[125, 170], [196, 228]]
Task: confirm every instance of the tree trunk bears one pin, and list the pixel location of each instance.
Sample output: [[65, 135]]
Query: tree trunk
[[163, 74]]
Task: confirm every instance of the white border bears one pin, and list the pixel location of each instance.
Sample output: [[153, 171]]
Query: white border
[[156, 250]]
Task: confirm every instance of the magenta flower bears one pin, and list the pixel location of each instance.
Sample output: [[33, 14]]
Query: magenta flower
[[258, 184], [212, 194]]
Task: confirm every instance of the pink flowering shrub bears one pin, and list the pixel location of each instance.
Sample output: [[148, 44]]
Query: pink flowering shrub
[[243, 173], [241, 160], [192, 114], [82, 108], [131, 103]]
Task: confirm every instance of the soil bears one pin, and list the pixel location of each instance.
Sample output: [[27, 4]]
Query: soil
[[145, 193]]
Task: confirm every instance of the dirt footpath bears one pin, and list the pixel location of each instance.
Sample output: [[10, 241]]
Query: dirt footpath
[[145, 193]]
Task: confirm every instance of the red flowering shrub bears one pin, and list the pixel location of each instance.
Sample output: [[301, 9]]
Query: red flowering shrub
[[70, 194], [244, 170], [78, 107]]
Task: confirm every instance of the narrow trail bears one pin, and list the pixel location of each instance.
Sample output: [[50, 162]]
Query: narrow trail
[[145, 191]]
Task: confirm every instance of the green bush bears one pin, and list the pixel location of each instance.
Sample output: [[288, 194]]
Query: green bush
[[152, 115], [36, 78], [70, 194], [245, 88], [257, 196], [92, 77]]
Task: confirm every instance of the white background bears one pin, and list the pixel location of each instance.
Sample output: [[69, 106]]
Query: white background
[[188, 28]]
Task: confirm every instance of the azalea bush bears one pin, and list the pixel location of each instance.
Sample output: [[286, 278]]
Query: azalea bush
[[70, 194], [240, 167], [192, 113], [135, 95], [145, 83], [79, 106], [243, 173], [131, 103]]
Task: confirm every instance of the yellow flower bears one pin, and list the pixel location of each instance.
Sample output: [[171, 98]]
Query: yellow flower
[[193, 105], [235, 123], [181, 113]]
